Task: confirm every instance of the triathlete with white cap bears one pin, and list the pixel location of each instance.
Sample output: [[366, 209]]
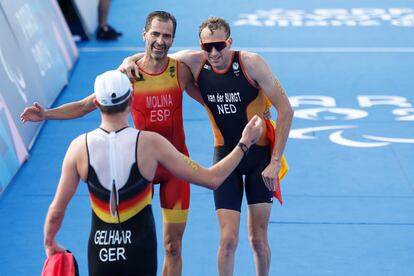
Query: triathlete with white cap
[[122, 240]]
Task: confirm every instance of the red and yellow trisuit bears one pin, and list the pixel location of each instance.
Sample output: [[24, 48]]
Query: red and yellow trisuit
[[157, 106]]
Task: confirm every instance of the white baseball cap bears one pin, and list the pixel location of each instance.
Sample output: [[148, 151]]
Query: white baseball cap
[[112, 88]]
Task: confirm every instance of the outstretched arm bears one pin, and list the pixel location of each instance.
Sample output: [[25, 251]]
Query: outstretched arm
[[259, 72], [37, 113], [188, 170], [67, 186]]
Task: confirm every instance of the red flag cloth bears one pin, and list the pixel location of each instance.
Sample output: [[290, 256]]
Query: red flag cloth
[[60, 264], [271, 136]]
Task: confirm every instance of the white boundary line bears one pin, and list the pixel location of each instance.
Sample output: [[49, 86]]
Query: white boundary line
[[265, 49]]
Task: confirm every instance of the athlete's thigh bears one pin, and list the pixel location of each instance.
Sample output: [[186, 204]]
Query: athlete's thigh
[[256, 190], [230, 193], [174, 198], [258, 219]]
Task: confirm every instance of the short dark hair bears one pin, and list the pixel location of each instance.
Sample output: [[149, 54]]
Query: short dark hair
[[214, 23], [163, 16], [113, 109]]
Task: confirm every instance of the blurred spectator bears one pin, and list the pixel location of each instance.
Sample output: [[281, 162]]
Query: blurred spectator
[[74, 20], [105, 31]]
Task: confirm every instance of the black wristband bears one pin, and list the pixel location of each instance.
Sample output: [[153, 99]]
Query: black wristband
[[243, 147]]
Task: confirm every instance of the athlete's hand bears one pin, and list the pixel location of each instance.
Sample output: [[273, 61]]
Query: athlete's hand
[[34, 113], [130, 68], [267, 115], [252, 131], [270, 174], [53, 249]]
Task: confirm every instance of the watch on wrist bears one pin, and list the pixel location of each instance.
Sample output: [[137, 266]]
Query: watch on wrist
[[243, 147]]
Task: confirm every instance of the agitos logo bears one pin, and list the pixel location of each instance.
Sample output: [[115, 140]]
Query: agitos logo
[[332, 17], [326, 111]]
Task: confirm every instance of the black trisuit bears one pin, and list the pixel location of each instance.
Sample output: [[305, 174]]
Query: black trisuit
[[231, 101], [122, 240]]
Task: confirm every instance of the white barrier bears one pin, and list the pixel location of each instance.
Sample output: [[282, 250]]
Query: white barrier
[[36, 55]]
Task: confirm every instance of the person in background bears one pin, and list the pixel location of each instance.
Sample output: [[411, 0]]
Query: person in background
[[105, 31]]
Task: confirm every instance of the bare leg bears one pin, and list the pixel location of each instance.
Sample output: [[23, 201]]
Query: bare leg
[[258, 221], [103, 11], [173, 236], [105, 31], [229, 221]]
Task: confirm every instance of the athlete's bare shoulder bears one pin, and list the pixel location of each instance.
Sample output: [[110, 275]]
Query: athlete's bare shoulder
[[149, 140], [148, 135], [78, 156], [254, 65], [250, 59], [77, 143]]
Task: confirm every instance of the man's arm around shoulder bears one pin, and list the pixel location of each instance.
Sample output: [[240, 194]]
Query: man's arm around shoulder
[[191, 58]]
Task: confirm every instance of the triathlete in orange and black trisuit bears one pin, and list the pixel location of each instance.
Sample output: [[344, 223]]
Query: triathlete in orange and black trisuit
[[231, 101], [157, 106], [122, 240]]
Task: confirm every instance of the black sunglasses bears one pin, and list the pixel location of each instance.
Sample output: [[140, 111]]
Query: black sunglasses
[[218, 45]]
